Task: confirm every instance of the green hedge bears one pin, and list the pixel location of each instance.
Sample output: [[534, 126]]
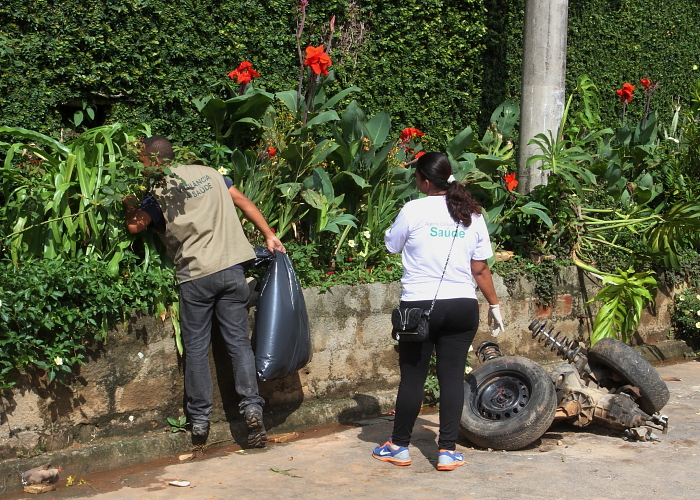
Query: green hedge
[[433, 64]]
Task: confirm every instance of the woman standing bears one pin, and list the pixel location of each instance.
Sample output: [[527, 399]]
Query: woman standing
[[447, 223]]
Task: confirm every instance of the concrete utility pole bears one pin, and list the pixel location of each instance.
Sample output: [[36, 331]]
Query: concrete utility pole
[[543, 81]]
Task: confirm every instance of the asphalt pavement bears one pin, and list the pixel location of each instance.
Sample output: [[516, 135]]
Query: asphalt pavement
[[336, 462]]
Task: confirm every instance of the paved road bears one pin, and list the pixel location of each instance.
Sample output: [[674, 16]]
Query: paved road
[[593, 463]]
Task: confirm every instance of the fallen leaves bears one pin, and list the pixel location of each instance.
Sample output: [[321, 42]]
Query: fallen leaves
[[284, 472], [281, 438]]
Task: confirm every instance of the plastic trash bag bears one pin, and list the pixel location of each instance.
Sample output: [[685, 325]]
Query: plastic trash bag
[[281, 337]]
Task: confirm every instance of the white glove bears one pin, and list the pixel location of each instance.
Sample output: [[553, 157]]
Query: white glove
[[495, 321]]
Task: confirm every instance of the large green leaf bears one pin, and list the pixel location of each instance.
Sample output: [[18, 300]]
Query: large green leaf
[[538, 210], [252, 105], [319, 119], [34, 137], [289, 98], [488, 163], [359, 181], [676, 229], [351, 122], [506, 116], [330, 103], [215, 113], [290, 189], [459, 144], [314, 199], [378, 127]]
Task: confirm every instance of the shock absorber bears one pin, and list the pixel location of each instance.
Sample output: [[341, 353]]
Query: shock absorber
[[568, 350], [487, 350]]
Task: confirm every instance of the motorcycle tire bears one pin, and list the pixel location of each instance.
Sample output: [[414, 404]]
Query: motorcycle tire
[[629, 365], [509, 402]]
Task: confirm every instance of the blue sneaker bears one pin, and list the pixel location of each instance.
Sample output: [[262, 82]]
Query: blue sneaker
[[388, 452], [449, 460]]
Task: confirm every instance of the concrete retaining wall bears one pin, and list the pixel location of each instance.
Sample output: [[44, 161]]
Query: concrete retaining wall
[[132, 383]]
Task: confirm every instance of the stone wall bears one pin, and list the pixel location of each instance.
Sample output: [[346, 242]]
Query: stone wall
[[132, 383]]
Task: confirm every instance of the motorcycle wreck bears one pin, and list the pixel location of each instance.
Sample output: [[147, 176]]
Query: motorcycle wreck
[[511, 401]]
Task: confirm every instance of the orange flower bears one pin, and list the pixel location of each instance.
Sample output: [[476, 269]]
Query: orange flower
[[317, 60], [511, 183], [409, 133], [625, 93], [645, 82], [419, 154], [244, 73]]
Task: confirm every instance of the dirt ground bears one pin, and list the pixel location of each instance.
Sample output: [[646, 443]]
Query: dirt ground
[[592, 463]]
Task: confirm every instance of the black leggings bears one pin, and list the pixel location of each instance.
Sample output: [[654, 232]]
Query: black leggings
[[453, 324]]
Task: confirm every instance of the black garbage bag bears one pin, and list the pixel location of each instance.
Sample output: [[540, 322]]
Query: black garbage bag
[[281, 337]]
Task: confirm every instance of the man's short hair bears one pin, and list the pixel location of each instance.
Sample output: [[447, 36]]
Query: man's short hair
[[159, 147]]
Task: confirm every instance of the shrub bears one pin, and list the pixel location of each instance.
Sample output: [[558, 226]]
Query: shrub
[[686, 317]]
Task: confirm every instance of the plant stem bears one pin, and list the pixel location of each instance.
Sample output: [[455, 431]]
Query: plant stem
[[598, 240], [624, 222], [304, 3], [309, 98], [46, 222], [597, 210], [341, 240]]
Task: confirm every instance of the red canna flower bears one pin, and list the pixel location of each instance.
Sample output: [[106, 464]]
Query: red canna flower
[[511, 183], [625, 93], [419, 154], [317, 60], [271, 151], [244, 73], [645, 82], [409, 133]]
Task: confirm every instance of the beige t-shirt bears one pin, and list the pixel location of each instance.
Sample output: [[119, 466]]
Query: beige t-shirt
[[203, 234]]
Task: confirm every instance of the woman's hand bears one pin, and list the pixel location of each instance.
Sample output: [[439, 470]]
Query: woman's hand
[[495, 321]]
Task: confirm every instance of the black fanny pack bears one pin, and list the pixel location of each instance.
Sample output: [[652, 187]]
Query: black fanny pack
[[410, 323]]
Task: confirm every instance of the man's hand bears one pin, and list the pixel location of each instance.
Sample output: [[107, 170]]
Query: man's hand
[[273, 243], [136, 219], [130, 202]]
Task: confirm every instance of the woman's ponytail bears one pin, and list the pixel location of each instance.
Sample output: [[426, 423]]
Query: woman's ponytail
[[461, 205]]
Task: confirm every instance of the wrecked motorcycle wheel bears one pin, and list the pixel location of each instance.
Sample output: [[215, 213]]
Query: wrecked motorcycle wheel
[[509, 402], [629, 365]]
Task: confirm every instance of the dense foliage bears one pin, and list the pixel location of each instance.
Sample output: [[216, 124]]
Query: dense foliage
[[327, 163], [437, 64], [50, 317], [686, 317]]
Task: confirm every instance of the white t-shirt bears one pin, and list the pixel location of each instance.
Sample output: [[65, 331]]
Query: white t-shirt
[[423, 232]]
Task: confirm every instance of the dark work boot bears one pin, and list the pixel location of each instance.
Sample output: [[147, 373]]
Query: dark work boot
[[257, 437], [200, 429]]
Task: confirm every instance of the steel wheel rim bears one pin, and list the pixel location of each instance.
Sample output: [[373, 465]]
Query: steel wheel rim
[[501, 396]]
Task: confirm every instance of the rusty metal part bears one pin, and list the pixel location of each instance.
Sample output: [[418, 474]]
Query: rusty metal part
[[569, 409], [487, 350], [583, 405], [618, 411], [568, 350], [661, 421]]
